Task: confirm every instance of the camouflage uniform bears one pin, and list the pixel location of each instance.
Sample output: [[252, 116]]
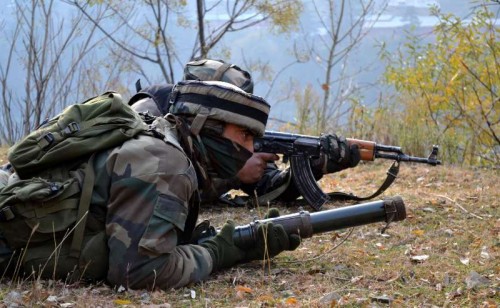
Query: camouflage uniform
[[147, 203]]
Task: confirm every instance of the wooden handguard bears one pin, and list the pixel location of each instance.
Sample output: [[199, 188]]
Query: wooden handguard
[[366, 148]]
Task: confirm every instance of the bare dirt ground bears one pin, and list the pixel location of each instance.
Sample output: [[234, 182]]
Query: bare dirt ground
[[445, 254]]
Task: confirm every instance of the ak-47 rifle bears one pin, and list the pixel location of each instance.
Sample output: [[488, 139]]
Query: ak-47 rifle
[[307, 224], [299, 149]]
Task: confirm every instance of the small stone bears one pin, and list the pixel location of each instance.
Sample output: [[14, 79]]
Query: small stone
[[329, 298], [420, 258], [447, 279], [475, 280], [52, 299], [145, 298], [12, 299]]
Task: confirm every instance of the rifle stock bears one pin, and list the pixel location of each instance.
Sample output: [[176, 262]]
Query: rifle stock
[[307, 224]]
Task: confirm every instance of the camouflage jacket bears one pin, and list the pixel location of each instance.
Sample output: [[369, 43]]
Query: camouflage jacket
[[145, 188]]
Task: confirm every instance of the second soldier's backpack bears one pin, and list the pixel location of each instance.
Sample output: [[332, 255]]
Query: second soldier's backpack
[[44, 209]]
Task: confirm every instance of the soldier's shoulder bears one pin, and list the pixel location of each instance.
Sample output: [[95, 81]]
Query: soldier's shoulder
[[150, 154]]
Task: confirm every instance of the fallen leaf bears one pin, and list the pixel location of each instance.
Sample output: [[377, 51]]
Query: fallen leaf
[[243, 289], [418, 232], [266, 298], [291, 301], [435, 202], [122, 302], [485, 254]]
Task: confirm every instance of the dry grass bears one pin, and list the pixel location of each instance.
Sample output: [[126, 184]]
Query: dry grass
[[453, 225], [3, 155]]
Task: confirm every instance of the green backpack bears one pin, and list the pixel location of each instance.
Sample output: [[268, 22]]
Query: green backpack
[[45, 212]]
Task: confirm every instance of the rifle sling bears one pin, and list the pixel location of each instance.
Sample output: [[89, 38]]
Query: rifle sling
[[392, 174], [273, 194], [256, 200]]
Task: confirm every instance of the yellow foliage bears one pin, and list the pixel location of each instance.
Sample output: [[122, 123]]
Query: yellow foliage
[[284, 14], [449, 89]]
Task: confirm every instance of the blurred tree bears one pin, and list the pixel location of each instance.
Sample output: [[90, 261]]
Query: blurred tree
[[46, 56], [342, 25], [450, 90], [143, 29]]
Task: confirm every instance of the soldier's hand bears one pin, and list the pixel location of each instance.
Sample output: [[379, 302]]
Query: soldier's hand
[[336, 155], [222, 249], [272, 239], [254, 168]]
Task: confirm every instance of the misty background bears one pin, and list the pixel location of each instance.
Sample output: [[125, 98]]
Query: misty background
[[387, 24]]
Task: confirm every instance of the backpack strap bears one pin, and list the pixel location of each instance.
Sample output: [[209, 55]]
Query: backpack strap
[[83, 208]]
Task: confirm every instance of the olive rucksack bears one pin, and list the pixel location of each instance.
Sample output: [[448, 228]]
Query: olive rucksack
[[45, 211]]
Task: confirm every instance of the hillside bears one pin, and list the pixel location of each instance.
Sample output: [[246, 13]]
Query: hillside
[[444, 254]]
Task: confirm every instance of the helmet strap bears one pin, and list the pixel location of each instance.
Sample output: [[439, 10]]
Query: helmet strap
[[220, 71], [199, 121]]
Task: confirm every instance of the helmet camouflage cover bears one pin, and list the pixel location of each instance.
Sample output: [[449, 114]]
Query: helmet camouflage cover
[[218, 70], [222, 101]]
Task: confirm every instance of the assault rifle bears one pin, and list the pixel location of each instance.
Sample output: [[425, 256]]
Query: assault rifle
[[299, 149], [307, 224]]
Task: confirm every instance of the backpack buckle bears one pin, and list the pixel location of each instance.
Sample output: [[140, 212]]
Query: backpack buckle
[[71, 128], [46, 140], [6, 214]]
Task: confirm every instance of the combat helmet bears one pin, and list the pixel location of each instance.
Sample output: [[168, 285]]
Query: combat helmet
[[220, 101], [155, 98]]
